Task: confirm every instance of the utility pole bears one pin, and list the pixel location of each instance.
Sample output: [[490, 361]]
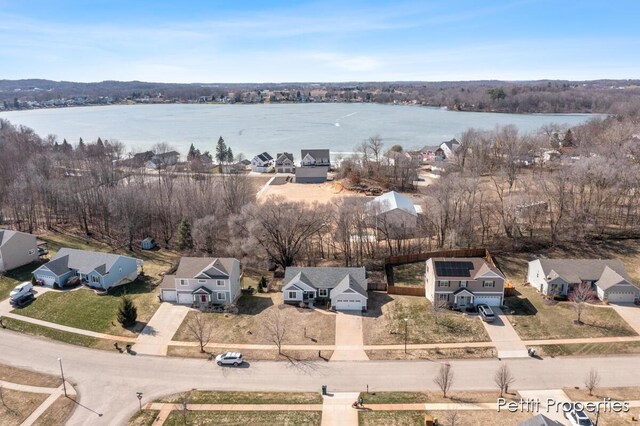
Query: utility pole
[[406, 321], [64, 385]]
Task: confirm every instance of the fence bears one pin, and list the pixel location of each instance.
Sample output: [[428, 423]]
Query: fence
[[380, 286], [407, 291]]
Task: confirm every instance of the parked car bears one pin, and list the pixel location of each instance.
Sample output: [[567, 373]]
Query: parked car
[[486, 313], [21, 290], [230, 358], [22, 301], [576, 417]]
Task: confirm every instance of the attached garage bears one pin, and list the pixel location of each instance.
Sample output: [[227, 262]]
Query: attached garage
[[169, 295], [48, 280], [493, 300], [621, 296], [185, 298], [350, 303]]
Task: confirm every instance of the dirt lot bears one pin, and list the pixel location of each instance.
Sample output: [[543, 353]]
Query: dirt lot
[[255, 310], [411, 275], [18, 406], [384, 322], [321, 192]]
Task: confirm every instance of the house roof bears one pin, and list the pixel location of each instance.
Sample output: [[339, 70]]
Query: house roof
[[610, 278], [320, 171], [202, 289], [83, 261], [6, 235], [453, 144], [320, 155], [205, 267], [328, 277], [349, 282], [164, 155], [462, 290], [578, 270], [539, 420], [264, 157], [392, 201], [462, 268], [168, 282], [429, 148], [282, 156]]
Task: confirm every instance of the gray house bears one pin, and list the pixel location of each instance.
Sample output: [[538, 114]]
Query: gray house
[[16, 249], [346, 288], [203, 282], [96, 269], [284, 162], [607, 277]]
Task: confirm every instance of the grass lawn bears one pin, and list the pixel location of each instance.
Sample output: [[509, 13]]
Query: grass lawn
[[244, 418], [18, 406], [250, 354], [384, 322], [616, 394], [28, 377], [534, 319], [144, 418], [431, 397], [438, 353], [219, 397], [589, 349], [85, 309], [15, 277], [417, 418], [411, 275], [248, 325], [57, 413]]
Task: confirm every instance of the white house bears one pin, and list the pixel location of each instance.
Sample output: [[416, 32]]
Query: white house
[[462, 282], [262, 163], [315, 157], [607, 277], [16, 249], [450, 148], [284, 163], [203, 282], [161, 160], [345, 288], [394, 210]]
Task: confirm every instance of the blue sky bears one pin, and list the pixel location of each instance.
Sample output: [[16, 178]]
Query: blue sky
[[285, 41]]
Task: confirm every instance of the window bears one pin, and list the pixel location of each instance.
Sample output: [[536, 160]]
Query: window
[[220, 283], [202, 281], [488, 283], [293, 295], [32, 251], [95, 279], [443, 296], [222, 296], [463, 284], [184, 282], [120, 270], [323, 292], [443, 283]]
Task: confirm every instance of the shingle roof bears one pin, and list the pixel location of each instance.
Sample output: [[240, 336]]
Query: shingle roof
[[462, 268], [328, 277], [320, 171], [349, 282], [265, 157], [391, 201], [205, 267], [279, 160], [320, 155], [610, 278], [83, 261], [578, 270], [5, 235]]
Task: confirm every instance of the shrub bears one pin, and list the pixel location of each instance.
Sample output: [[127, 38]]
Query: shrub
[[127, 312]]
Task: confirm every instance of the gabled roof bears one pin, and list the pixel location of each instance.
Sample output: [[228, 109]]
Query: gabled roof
[[392, 201], [453, 144], [462, 290], [8, 234], [320, 155], [429, 148], [264, 157], [610, 278], [463, 268], [577, 270], [202, 290], [349, 283], [282, 156], [164, 155], [205, 267], [539, 420], [83, 261], [328, 277]]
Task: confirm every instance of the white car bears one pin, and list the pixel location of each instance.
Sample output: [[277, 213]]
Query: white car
[[21, 290], [230, 358], [576, 417]]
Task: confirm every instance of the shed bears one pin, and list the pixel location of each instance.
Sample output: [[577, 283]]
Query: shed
[[147, 244]]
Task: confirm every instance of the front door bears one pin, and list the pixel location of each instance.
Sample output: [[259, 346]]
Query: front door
[[462, 301], [203, 298]]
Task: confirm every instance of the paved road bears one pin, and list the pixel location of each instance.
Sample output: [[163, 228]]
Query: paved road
[[107, 381]]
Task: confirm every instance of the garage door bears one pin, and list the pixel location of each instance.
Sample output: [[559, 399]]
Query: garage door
[[47, 280], [487, 300], [169, 295], [621, 296], [185, 298], [348, 305]]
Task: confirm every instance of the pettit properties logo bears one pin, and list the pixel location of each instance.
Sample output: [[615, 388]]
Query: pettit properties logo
[[550, 405]]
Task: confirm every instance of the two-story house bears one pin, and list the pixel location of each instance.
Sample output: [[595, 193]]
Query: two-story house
[[16, 249], [203, 282], [96, 269], [394, 212], [284, 163], [161, 160], [462, 282], [262, 163], [315, 157]]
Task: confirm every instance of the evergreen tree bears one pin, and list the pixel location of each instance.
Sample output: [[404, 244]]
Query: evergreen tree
[[184, 239], [66, 147], [568, 138], [221, 151], [81, 146], [229, 155], [192, 153], [127, 312]]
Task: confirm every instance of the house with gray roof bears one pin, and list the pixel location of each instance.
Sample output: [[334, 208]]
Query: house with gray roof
[[203, 282], [262, 163], [16, 249], [315, 157], [607, 277], [345, 288], [284, 163], [95, 269], [461, 282], [311, 174], [162, 160]]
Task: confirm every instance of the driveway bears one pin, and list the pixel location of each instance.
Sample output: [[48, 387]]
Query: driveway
[[349, 340], [503, 335], [156, 336], [5, 305], [630, 313]]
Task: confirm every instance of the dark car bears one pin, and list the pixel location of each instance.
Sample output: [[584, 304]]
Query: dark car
[[23, 300], [486, 313]]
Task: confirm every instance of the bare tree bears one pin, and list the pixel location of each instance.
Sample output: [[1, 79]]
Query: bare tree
[[592, 380], [444, 379], [579, 297], [503, 379], [437, 308], [200, 328], [276, 327], [452, 418]]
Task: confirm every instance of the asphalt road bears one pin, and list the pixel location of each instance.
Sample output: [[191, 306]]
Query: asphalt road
[[108, 381]]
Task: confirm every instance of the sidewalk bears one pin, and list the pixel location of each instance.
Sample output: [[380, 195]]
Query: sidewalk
[[505, 338], [54, 394], [337, 409], [349, 341]]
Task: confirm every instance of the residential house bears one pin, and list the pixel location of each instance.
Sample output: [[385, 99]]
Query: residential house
[[262, 163], [159, 161], [462, 282], [284, 163], [203, 282], [311, 174], [429, 153], [16, 249], [607, 277], [449, 149], [315, 157], [96, 269], [394, 210], [345, 288], [140, 159], [539, 420]]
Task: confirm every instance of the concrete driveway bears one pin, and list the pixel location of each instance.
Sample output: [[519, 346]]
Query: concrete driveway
[[630, 313], [502, 333], [156, 336], [349, 340]]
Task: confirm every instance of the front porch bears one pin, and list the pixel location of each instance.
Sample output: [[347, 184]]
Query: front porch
[[463, 298]]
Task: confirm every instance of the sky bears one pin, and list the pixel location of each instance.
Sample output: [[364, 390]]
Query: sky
[[318, 41]]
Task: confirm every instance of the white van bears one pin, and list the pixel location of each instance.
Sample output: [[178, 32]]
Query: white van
[[21, 290]]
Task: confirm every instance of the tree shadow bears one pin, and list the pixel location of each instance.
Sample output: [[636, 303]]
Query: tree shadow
[[249, 304], [520, 306], [376, 301]]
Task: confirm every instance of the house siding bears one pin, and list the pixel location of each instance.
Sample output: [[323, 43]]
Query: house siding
[[15, 252]]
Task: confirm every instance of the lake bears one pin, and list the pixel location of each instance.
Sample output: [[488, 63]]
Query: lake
[[251, 129]]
